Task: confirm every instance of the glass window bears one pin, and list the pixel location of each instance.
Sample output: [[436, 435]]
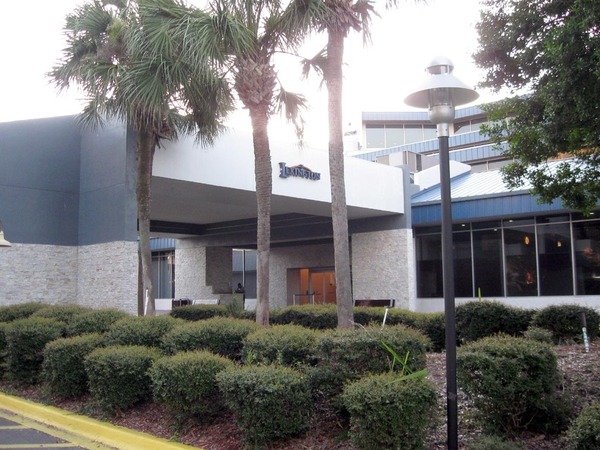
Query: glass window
[[463, 275], [163, 274], [429, 266], [521, 268], [486, 224], [476, 123], [586, 237], [487, 263], [554, 257], [394, 136], [517, 222], [375, 136], [462, 127], [413, 133], [429, 132]]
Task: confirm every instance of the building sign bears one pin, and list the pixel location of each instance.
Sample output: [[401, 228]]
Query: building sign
[[298, 171]]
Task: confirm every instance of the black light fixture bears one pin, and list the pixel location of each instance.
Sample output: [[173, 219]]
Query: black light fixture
[[440, 94], [3, 242]]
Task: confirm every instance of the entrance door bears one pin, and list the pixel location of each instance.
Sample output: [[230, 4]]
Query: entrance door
[[323, 287]]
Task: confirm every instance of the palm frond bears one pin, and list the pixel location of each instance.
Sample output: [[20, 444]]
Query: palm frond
[[292, 105]]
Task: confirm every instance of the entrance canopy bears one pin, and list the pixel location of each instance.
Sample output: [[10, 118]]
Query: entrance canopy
[[197, 188]]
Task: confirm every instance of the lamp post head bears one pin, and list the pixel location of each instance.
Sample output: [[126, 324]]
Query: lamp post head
[[3, 242], [441, 92]]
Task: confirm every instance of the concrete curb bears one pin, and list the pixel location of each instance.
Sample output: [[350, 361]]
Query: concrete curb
[[103, 432]]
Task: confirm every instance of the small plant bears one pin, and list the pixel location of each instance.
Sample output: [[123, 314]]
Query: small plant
[[539, 334], [584, 432], [565, 323]]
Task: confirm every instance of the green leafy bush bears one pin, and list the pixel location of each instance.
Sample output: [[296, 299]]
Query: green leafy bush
[[145, 331], [346, 355], [187, 383], [479, 319], [432, 325], [118, 376], [270, 403], [221, 335], [512, 382], [199, 312], [539, 334], [25, 342], [584, 432], [318, 317], [19, 311], [62, 313], [283, 344], [63, 367], [564, 322], [95, 321], [387, 413], [3, 345]]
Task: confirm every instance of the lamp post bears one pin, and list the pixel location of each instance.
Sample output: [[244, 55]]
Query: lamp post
[[3, 242], [440, 94]]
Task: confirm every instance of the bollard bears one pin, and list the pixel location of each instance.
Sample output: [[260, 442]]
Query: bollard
[[586, 342]]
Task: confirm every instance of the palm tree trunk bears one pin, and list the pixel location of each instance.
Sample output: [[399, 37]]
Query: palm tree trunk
[[264, 187], [339, 210], [145, 157]]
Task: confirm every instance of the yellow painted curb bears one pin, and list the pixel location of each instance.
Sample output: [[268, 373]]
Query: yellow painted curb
[[106, 433]]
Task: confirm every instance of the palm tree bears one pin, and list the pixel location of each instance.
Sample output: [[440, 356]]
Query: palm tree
[[245, 34], [338, 18], [107, 57]]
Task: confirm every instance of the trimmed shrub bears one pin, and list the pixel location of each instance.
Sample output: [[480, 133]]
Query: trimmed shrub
[[63, 367], [564, 322], [387, 413], [270, 403], [479, 319], [25, 342], [512, 382], [318, 317], [282, 344], [221, 335], [584, 432], [346, 355], [539, 334], [3, 345], [20, 311], [187, 383], [146, 331], [199, 312], [62, 313], [118, 376], [432, 325], [96, 321]]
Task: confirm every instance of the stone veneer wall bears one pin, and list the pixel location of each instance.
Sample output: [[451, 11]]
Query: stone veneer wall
[[284, 258], [108, 276], [383, 266], [38, 273]]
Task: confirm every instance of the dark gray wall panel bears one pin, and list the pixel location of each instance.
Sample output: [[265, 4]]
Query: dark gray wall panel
[[39, 180]]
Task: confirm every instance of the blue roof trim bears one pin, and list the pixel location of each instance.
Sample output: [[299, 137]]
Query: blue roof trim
[[158, 244], [421, 116]]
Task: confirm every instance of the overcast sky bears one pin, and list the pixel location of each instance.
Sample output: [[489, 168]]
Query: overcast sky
[[377, 77]]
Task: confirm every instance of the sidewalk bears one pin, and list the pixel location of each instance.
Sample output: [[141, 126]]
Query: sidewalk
[[28, 425]]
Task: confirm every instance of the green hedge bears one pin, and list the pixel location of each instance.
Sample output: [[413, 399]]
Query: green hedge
[[282, 344], [145, 331], [118, 376], [63, 368], [3, 346], [19, 311], [270, 403], [584, 432], [62, 313], [512, 382], [479, 319], [564, 322], [346, 355], [200, 312], [95, 321], [318, 317], [387, 413], [187, 383], [25, 342], [221, 335]]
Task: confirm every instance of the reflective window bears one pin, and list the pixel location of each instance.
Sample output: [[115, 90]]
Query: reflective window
[[394, 136], [375, 136], [554, 256], [429, 266], [521, 266], [586, 237], [487, 264], [463, 276], [413, 133], [429, 132], [163, 274]]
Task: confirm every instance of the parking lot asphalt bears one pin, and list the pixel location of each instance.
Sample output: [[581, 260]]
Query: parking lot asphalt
[[27, 425]]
